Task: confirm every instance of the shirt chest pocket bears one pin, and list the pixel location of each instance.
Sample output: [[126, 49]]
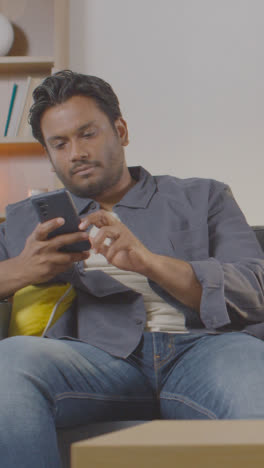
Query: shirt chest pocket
[[190, 244]]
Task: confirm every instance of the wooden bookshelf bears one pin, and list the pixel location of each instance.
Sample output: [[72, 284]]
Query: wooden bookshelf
[[40, 48], [41, 44], [16, 140], [26, 64], [10, 146]]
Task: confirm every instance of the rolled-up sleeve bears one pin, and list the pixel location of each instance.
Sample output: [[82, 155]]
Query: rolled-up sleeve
[[232, 279]]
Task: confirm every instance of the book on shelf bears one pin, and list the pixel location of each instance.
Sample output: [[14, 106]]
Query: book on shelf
[[20, 102], [23, 127], [10, 109], [17, 108]]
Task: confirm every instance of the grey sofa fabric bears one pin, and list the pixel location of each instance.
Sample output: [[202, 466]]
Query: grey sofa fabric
[[67, 436], [5, 311], [259, 231]]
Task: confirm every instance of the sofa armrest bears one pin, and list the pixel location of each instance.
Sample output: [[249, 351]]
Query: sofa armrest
[[259, 232], [5, 314]]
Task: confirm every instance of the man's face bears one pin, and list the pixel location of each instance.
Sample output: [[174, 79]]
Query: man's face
[[85, 151]]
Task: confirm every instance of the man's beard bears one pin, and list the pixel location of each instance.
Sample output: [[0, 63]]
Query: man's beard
[[96, 188]]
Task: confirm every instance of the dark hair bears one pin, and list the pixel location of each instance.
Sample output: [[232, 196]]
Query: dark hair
[[63, 85]]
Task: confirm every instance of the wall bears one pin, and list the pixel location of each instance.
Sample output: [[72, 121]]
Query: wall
[[19, 174], [189, 75]]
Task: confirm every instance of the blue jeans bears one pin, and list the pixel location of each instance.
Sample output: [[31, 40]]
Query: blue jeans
[[49, 383]]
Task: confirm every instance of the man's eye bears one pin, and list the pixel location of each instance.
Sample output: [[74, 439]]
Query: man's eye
[[59, 146], [88, 135]]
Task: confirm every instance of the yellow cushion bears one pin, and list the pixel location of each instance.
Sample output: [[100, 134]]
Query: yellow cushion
[[33, 305]]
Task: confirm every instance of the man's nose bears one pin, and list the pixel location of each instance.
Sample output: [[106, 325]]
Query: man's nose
[[78, 152]]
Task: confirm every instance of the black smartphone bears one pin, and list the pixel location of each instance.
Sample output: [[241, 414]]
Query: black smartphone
[[59, 204]]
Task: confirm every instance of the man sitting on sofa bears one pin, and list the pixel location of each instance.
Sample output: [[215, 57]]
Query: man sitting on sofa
[[169, 303]]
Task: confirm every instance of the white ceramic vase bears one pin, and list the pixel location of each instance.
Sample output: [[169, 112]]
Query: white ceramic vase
[[6, 35]]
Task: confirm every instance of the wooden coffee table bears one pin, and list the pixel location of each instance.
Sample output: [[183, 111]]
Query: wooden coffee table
[[176, 444]]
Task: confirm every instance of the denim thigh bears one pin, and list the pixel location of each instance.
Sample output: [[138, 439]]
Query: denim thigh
[[78, 382], [214, 377]]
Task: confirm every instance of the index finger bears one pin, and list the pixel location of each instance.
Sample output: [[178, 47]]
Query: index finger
[[42, 230], [99, 219]]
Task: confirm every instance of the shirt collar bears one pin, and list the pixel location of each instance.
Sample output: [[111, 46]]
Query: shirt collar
[[81, 203], [141, 193], [137, 197]]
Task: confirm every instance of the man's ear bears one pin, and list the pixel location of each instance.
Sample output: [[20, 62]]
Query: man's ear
[[122, 131]]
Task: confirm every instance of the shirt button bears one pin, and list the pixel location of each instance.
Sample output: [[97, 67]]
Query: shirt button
[[139, 321], [92, 205]]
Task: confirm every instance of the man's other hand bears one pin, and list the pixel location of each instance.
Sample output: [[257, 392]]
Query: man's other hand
[[117, 243]]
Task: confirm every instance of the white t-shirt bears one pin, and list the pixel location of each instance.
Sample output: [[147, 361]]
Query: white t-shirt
[[160, 315]]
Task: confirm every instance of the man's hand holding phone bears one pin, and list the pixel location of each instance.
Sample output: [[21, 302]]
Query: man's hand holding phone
[[56, 242], [43, 257], [59, 204]]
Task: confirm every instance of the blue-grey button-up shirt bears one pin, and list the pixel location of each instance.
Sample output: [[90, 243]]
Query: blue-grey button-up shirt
[[196, 220]]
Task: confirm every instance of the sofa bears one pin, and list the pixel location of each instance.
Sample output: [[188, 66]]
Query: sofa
[[67, 436]]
